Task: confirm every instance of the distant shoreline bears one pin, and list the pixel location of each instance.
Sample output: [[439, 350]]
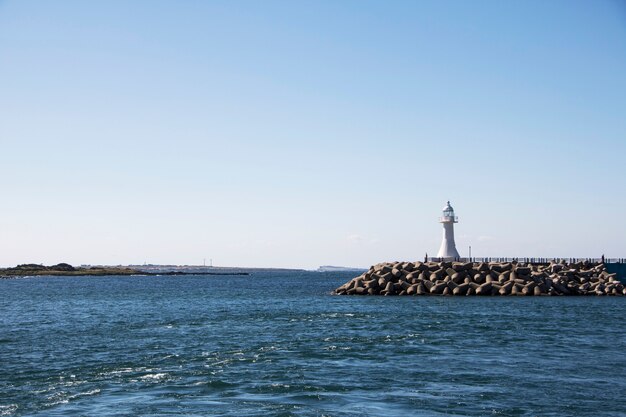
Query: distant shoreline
[[66, 270], [113, 273]]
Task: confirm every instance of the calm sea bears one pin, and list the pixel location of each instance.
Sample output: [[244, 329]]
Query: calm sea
[[278, 344]]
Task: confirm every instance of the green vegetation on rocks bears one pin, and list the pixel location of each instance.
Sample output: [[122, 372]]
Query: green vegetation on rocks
[[65, 270]]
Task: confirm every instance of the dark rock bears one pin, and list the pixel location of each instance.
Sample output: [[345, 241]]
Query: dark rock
[[457, 278], [62, 267], [516, 289], [438, 288], [452, 285], [384, 270], [461, 289], [506, 288], [484, 289], [412, 275], [421, 267]]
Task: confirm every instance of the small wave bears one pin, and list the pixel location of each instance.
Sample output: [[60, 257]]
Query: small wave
[[335, 315], [84, 394], [57, 398], [154, 377], [53, 403], [121, 371], [217, 384], [173, 355], [219, 363], [268, 348]]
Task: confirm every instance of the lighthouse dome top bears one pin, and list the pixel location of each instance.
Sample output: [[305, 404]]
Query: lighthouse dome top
[[448, 214]]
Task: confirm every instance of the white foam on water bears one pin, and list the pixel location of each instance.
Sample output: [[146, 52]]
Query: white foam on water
[[57, 398], [7, 410], [84, 394], [173, 355], [52, 404], [154, 377], [121, 371]]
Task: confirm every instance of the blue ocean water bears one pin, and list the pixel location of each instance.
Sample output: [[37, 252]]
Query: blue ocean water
[[278, 344]]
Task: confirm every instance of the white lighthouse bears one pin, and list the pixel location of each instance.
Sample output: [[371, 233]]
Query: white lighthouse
[[448, 247]]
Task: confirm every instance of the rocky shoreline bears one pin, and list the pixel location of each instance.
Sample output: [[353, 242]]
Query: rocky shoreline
[[485, 278]]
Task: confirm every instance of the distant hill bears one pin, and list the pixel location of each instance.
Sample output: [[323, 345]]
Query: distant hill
[[64, 269], [330, 268]]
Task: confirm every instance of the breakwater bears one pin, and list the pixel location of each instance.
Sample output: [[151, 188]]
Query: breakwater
[[485, 278]]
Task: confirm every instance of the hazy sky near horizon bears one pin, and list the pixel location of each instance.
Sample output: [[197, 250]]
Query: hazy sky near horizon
[[307, 133]]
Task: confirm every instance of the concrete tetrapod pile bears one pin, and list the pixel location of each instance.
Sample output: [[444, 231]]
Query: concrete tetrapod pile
[[509, 278]]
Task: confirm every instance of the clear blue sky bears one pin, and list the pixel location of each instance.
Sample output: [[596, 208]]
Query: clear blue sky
[[301, 133]]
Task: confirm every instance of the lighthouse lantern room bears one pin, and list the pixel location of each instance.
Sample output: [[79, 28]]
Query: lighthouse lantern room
[[448, 247]]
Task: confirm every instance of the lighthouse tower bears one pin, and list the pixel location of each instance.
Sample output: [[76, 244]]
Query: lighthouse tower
[[448, 247]]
